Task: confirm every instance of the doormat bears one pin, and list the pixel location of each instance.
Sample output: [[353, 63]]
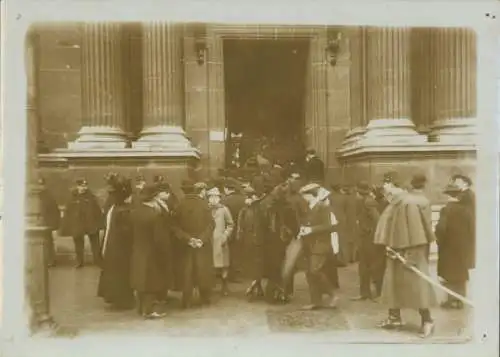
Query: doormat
[[297, 320]]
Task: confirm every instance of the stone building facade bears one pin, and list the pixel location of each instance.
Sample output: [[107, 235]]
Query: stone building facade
[[150, 98]]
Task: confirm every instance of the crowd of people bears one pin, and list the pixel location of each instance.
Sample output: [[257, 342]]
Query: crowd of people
[[265, 226]]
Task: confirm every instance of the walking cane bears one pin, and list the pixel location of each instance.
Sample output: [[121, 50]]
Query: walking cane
[[391, 253]]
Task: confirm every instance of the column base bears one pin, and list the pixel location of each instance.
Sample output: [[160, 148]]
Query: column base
[[458, 131], [352, 137], [164, 138], [99, 137], [391, 132]]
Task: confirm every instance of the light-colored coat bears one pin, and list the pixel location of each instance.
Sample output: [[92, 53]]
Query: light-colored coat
[[224, 226]]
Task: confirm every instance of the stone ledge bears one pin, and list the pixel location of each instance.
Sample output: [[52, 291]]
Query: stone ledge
[[402, 148], [63, 156]]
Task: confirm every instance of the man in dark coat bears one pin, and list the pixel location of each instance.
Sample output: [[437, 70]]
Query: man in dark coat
[[454, 238], [314, 167], [194, 226], [167, 205], [368, 216], [405, 226], [147, 270], [316, 232], [114, 283], [83, 217], [234, 200], [52, 218], [349, 240], [468, 197]]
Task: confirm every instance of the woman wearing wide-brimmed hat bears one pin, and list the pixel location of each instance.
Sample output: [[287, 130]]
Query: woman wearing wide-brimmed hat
[[223, 229]]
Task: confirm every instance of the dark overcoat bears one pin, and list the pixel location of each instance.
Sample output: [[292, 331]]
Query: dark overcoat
[[453, 232], [468, 197], [234, 202], [253, 230], [147, 269], [315, 169], [50, 210], [114, 283], [82, 215], [193, 219]]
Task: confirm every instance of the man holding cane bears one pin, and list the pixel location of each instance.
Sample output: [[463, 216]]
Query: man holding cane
[[405, 229]]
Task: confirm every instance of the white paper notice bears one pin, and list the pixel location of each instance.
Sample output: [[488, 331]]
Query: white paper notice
[[216, 135]]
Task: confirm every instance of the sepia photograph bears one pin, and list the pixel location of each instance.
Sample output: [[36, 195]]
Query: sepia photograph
[[229, 179]]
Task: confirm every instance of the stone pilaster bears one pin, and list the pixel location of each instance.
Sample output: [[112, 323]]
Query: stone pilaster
[[455, 77], [357, 87], [389, 107], [316, 108], [163, 89], [102, 94], [37, 276]]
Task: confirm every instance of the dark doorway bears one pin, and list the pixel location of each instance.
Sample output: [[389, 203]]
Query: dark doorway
[[264, 91]]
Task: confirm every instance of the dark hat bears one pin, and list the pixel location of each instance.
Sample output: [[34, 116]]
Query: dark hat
[[120, 186], [451, 189], [418, 181], [139, 178], [363, 188], [149, 192], [311, 151], [187, 185], [158, 178], [232, 184], [249, 191], [81, 181]]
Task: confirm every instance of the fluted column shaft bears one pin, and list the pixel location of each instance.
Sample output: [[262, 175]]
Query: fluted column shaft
[[102, 94], [455, 79], [36, 264], [389, 106], [163, 87]]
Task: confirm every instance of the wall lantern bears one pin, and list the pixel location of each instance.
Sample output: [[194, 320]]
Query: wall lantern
[[334, 37], [200, 44]]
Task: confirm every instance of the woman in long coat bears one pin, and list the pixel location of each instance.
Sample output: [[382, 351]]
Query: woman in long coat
[[223, 229], [455, 245], [114, 283], [252, 230]]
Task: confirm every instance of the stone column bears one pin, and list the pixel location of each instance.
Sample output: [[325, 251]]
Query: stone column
[[37, 276], [389, 107], [357, 87], [102, 94], [163, 89], [455, 78]]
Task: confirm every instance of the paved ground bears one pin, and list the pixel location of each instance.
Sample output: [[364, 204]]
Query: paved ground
[[76, 307]]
